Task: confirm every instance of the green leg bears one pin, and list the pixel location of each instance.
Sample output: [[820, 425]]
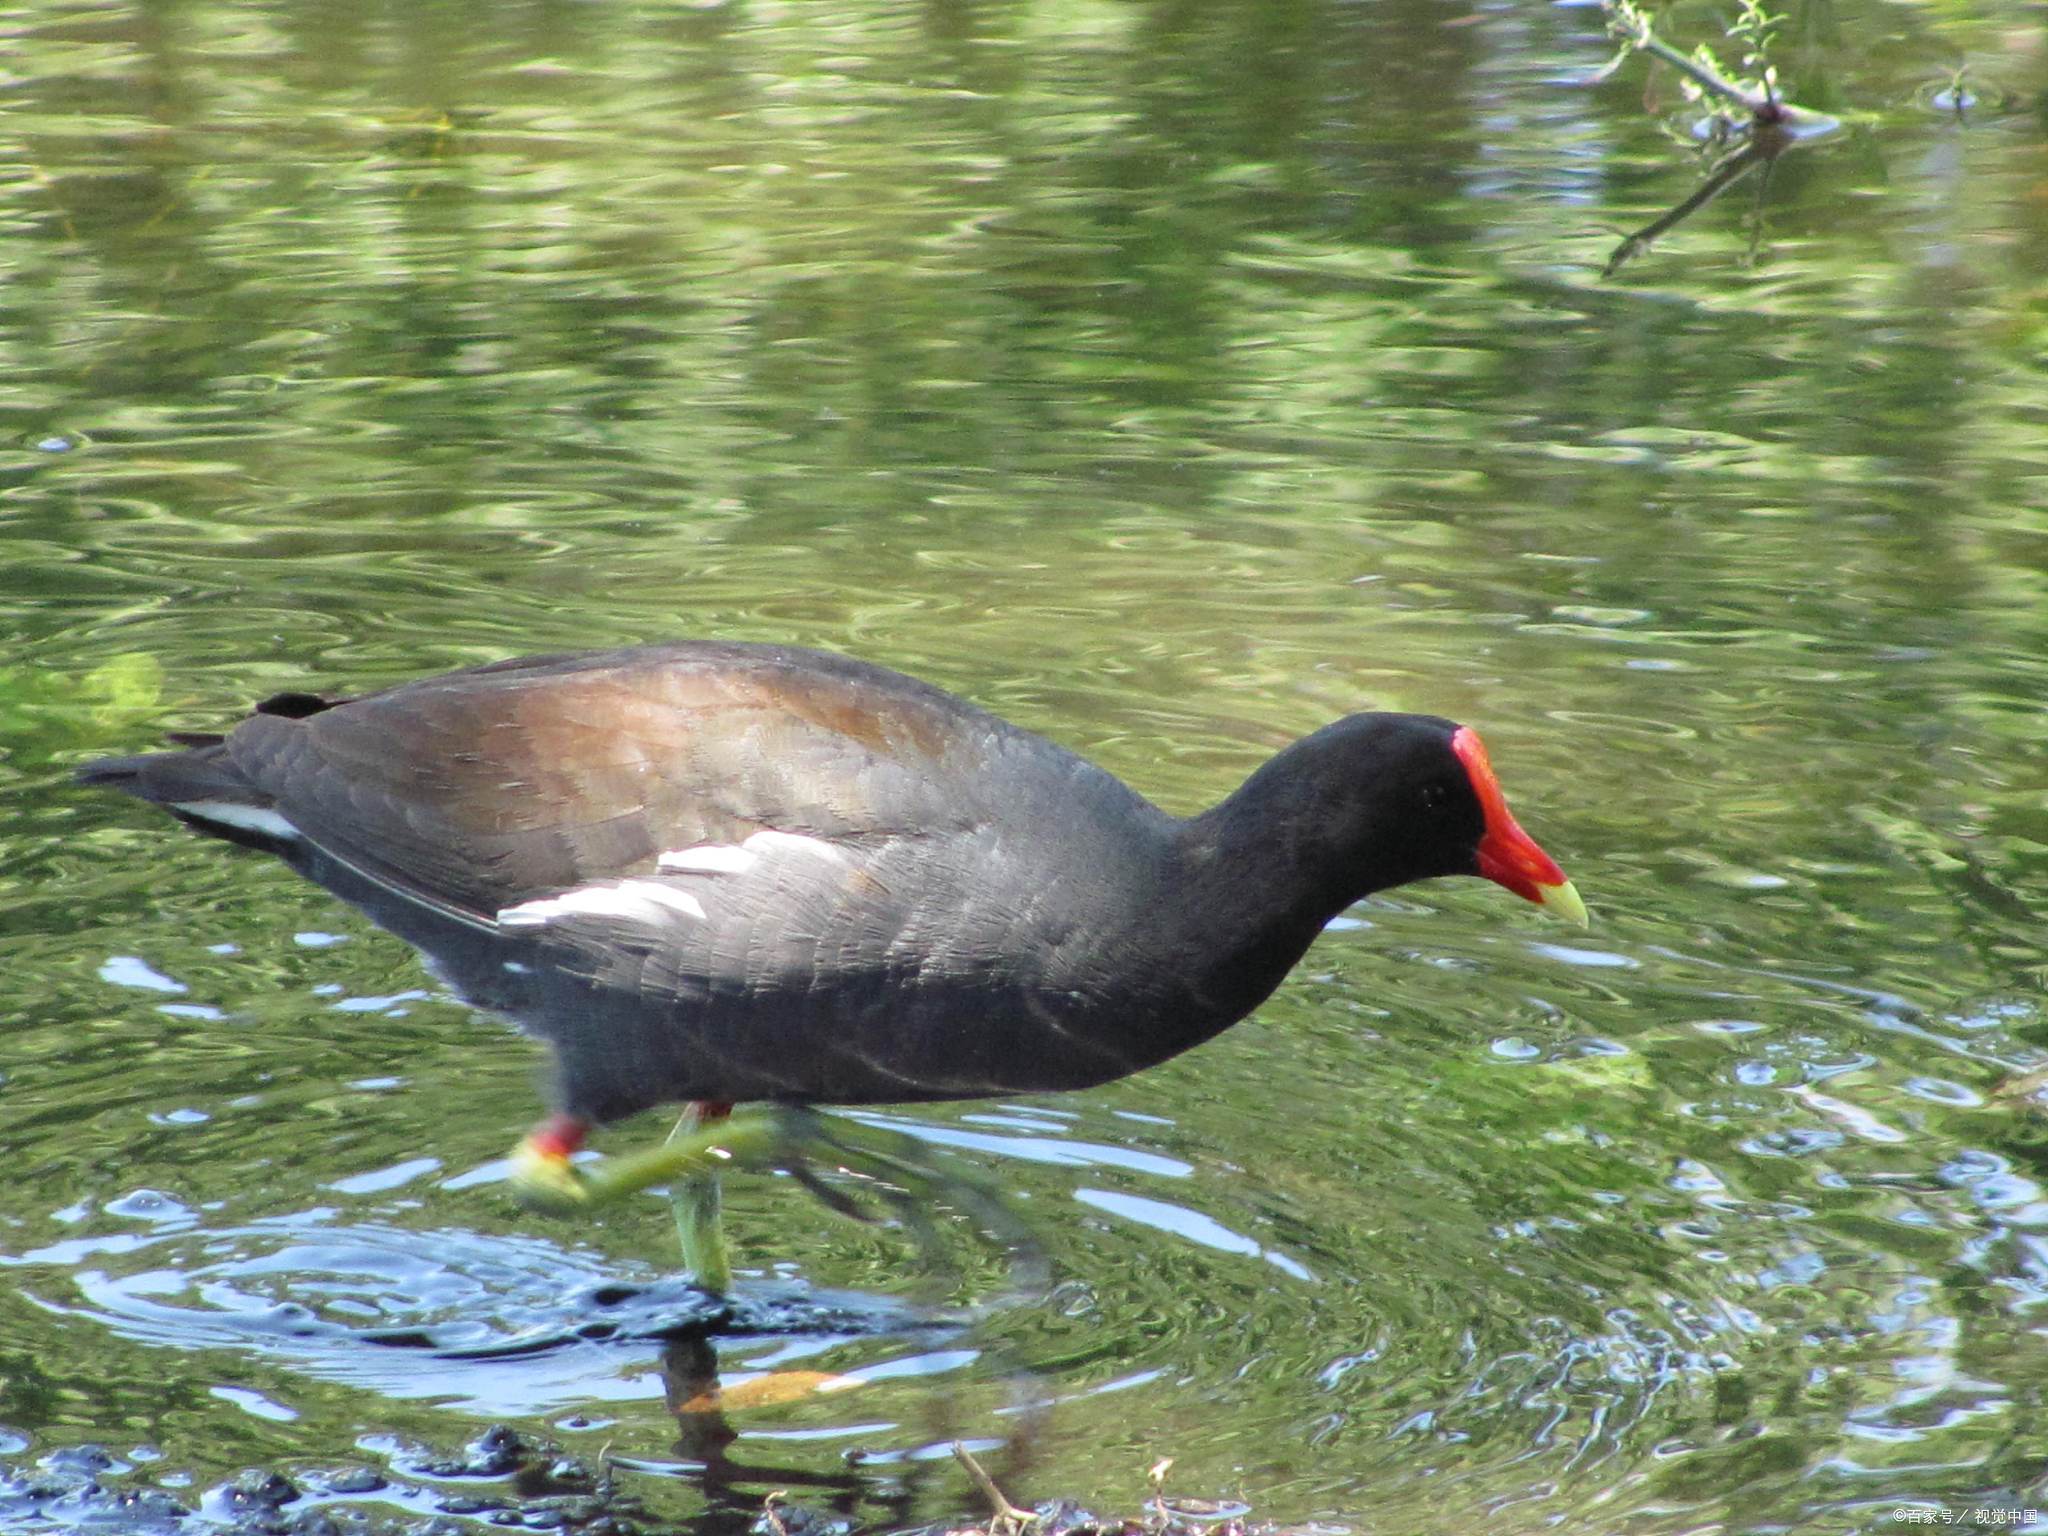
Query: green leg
[[700, 1147], [544, 1177], [695, 1199]]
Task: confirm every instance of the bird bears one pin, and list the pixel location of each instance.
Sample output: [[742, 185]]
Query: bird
[[714, 873]]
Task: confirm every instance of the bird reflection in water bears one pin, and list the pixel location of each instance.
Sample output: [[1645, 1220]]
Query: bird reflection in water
[[738, 1488]]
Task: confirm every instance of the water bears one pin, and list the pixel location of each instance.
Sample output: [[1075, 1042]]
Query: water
[[1171, 381]]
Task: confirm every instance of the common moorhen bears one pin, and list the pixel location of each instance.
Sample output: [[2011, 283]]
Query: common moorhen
[[714, 872]]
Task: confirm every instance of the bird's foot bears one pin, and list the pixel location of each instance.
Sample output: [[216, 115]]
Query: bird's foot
[[545, 1178]]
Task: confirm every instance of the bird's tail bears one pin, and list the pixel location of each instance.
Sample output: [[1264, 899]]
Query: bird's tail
[[200, 786], [200, 772]]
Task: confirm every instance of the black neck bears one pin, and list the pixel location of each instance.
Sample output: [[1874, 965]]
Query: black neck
[[1254, 891], [1237, 895]]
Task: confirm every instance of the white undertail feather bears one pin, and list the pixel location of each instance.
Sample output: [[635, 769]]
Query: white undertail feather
[[243, 818]]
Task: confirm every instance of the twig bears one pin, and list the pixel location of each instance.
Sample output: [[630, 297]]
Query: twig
[[1627, 23], [1157, 1478], [1630, 25], [1724, 175], [1007, 1516]]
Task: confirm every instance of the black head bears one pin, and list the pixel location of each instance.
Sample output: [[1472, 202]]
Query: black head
[[1378, 800]]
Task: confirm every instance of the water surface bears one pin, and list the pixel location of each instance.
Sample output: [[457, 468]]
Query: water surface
[[1171, 380]]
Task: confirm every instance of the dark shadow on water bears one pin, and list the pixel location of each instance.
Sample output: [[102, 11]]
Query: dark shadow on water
[[518, 1326], [507, 1327]]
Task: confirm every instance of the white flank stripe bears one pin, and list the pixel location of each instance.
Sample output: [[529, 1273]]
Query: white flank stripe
[[637, 901], [710, 859], [245, 818], [794, 842], [665, 896]]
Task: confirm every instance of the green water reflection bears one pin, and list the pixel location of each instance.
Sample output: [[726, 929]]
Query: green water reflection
[[1171, 379]]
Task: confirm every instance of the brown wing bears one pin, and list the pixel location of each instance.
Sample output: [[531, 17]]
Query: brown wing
[[481, 789]]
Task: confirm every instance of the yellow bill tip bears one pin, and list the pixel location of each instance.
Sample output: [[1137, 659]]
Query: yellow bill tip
[[1564, 900]]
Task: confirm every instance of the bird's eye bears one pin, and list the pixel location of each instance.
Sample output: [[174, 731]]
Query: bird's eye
[[1433, 798]]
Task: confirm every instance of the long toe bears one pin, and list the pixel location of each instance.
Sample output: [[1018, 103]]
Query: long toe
[[544, 1179]]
